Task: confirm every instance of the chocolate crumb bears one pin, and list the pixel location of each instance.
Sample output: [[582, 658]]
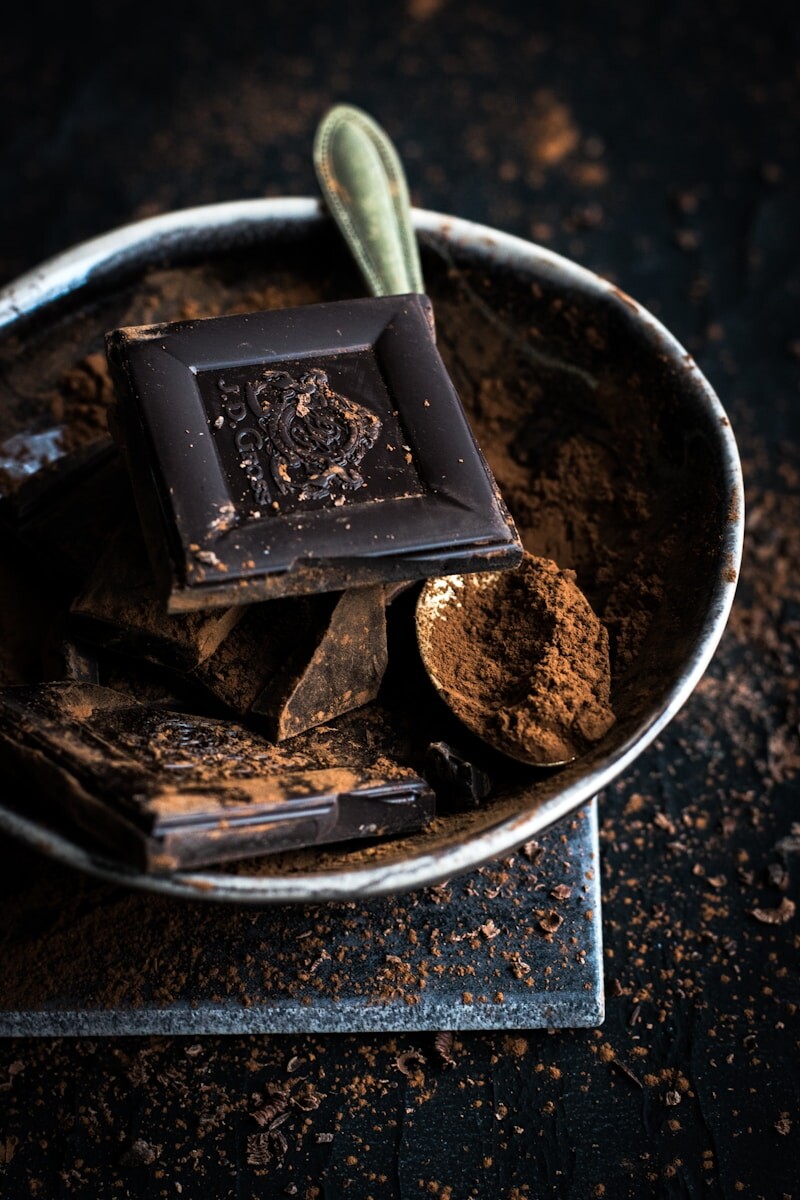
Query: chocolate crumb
[[551, 921], [775, 916], [561, 891], [443, 1041], [141, 1153], [410, 1063]]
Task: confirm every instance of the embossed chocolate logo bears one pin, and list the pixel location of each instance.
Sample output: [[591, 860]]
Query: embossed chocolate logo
[[296, 435]]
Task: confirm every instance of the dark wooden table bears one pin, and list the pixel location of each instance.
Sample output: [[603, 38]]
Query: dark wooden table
[[658, 145]]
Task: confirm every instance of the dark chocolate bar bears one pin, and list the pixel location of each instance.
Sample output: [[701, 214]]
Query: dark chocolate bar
[[165, 789], [301, 661], [302, 450]]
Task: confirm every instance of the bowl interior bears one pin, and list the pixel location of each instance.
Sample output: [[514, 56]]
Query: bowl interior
[[605, 441]]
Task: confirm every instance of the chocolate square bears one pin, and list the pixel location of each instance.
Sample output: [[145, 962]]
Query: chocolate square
[[302, 450], [164, 789]]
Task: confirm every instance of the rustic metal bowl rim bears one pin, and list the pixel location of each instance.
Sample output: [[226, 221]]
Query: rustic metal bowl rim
[[237, 220]]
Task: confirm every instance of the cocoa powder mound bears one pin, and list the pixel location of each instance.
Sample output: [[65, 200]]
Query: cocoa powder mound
[[523, 659]]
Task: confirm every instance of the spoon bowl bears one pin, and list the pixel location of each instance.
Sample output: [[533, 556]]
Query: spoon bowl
[[520, 658]]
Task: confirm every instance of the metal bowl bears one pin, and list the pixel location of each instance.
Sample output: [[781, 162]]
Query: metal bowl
[[695, 439]]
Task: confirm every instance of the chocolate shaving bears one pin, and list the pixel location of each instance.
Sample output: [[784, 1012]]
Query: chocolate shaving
[[551, 921], [443, 1041], [778, 876], [404, 1062], [519, 968], [308, 1100], [775, 916], [262, 1148], [266, 1115], [258, 1149], [621, 1066], [562, 891], [789, 844]]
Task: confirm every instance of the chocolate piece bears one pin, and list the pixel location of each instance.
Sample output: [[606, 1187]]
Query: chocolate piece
[[302, 450], [297, 662], [120, 608], [66, 511], [54, 393], [166, 790], [40, 479], [79, 663], [26, 455], [458, 784], [301, 661]]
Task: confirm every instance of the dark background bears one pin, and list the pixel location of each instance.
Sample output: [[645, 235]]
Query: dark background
[[658, 145]]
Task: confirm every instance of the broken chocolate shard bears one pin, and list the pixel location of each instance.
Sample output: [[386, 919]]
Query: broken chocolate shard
[[458, 784], [344, 671], [165, 789], [301, 661], [302, 450], [296, 662], [120, 609]]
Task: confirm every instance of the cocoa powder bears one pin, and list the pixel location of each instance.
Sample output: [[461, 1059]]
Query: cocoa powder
[[521, 659], [579, 502]]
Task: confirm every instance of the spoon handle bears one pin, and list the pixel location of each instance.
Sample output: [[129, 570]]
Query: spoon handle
[[365, 188]]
